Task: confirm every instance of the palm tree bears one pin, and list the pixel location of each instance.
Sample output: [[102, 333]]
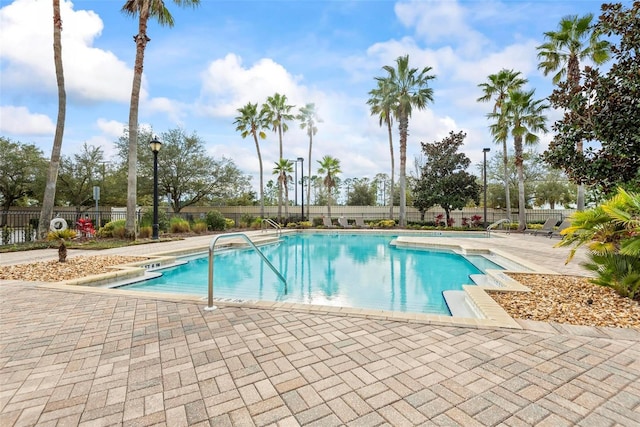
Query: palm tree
[[308, 119], [143, 9], [54, 163], [283, 168], [498, 86], [251, 122], [382, 104], [276, 112], [520, 117], [563, 50], [409, 88], [330, 166]]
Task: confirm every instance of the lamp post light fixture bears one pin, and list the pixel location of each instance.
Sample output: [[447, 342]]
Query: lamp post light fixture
[[484, 178], [301, 160], [155, 147]]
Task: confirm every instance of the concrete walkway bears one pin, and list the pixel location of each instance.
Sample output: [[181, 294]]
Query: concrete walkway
[[78, 357]]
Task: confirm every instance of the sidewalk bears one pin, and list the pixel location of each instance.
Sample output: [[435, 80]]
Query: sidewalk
[[75, 357]]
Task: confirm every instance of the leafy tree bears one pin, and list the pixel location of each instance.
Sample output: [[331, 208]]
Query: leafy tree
[[363, 193], [381, 182], [521, 117], [409, 89], [284, 168], [54, 162], [277, 113], [563, 50], [186, 174], [606, 111], [382, 103], [329, 167], [308, 119], [22, 164], [444, 180], [498, 87], [554, 188], [143, 9], [78, 175], [251, 122], [534, 171]]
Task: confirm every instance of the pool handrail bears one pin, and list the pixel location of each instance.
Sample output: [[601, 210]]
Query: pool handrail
[[271, 223], [497, 223], [212, 245]]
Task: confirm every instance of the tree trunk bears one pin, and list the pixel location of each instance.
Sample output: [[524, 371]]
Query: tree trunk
[[522, 218], [280, 184], [141, 41], [392, 168], [404, 126], [255, 138], [54, 163], [507, 193], [580, 201], [309, 177]]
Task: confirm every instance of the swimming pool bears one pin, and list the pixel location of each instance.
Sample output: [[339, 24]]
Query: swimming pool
[[336, 269]]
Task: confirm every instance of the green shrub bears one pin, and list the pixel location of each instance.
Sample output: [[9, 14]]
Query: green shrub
[[386, 223], [247, 219], [145, 232], [229, 223], [199, 227], [67, 234], [113, 229], [215, 221], [163, 220], [179, 225], [6, 234], [256, 223], [305, 224], [317, 221]]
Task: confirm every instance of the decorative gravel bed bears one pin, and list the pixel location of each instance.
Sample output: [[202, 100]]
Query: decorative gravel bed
[[562, 299], [568, 299]]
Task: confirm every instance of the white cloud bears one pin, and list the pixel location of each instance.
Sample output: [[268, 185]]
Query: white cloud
[[19, 120], [91, 74], [227, 85], [111, 128]]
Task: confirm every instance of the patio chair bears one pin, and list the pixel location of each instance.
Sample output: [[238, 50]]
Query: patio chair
[[547, 228], [327, 222], [344, 222], [360, 223], [557, 233]]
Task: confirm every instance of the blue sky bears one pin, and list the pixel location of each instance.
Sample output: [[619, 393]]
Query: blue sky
[[224, 54]]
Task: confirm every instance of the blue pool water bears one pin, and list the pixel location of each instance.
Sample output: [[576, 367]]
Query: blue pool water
[[359, 270]]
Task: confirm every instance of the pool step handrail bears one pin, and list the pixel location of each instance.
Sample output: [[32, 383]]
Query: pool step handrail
[[497, 223], [212, 247], [272, 223]]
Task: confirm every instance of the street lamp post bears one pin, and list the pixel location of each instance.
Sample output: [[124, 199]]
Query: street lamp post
[[155, 147], [301, 160], [484, 178]]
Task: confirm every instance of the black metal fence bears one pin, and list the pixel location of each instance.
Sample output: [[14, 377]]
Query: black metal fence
[[19, 226]]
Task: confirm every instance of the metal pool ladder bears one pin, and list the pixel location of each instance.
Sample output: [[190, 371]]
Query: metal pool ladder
[[272, 223], [212, 246], [497, 223]]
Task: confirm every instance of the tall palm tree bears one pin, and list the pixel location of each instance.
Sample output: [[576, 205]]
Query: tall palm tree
[[330, 167], [284, 168], [251, 122], [520, 117], [308, 119], [563, 50], [498, 87], [382, 105], [143, 9], [277, 113], [409, 87], [54, 163]]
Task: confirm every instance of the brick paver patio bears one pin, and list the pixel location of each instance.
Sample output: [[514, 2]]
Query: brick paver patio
[[76, 357]]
